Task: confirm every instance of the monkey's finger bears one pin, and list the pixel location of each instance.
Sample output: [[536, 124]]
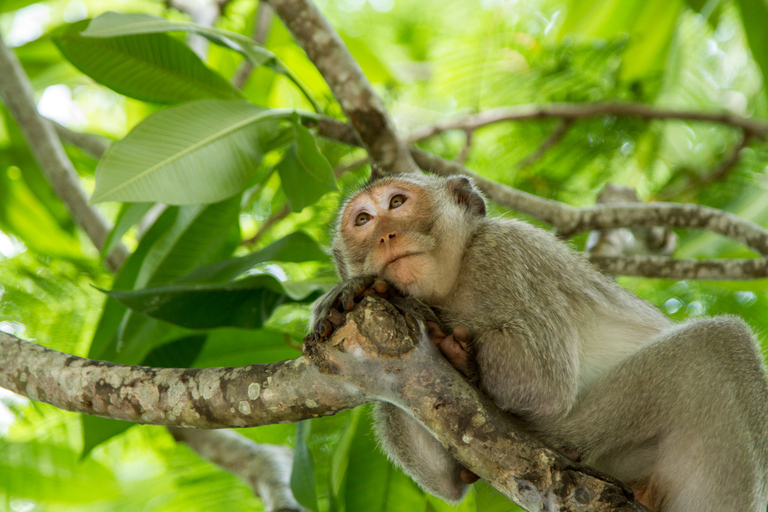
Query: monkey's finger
[[467, 476], [435, 333], [326, 328], [462, 334], [455, 354]]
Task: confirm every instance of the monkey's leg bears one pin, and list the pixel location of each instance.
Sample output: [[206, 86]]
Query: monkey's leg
[[418, 453], [684, 420]]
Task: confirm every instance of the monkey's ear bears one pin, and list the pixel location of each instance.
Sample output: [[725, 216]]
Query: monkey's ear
[[465, 193]]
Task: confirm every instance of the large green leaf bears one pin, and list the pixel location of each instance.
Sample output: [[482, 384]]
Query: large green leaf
[[149, 67], [305, 173], [754, 14], [246, 303], [295, 247], [113, 24], [198, 152], [303, 483]]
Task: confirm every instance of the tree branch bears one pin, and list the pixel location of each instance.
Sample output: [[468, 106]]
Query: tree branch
[[265, 468], [574, 111], [93, 144], [50, 155], [551, 139], [358, 100], [247, 396]]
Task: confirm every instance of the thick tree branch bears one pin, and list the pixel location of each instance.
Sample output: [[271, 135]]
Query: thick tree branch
[[358, 100], [574, 111], [381, 352], [247, 396], [49, 153], [265, 468]]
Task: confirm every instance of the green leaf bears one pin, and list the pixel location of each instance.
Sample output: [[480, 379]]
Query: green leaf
[[754, 14], [49, 471], [97, 430], [103, 345], [305, 173], [648, 24], [130, 214], [198, 152], [113, 24], [180, 353], [303, 474], [246, 303], [709, 9], [12, 5], [149, 67], [340, 461], [238, 347], [375, 485], [295, 247], [22, 214]]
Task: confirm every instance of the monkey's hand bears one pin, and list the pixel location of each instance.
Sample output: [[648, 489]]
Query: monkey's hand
[[330, 310], [457, 348]]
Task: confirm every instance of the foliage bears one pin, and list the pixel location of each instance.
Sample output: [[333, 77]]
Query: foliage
[[194, 160]]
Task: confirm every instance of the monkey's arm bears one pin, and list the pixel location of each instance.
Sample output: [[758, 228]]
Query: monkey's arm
[[418, 453], [531, 373]]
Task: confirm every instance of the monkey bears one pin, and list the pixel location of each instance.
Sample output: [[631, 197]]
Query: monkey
[[679, 412]]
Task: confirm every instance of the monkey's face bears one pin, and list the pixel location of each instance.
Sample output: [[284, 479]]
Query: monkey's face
[[387, 230]]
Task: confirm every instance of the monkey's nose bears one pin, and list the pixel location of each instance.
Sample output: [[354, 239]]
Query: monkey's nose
[[386, 238]]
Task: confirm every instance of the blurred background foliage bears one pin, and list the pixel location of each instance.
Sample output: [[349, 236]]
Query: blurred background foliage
[[429, 60]]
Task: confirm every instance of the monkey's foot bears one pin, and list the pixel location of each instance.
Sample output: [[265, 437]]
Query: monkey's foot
[[456, 348], [467, 476]]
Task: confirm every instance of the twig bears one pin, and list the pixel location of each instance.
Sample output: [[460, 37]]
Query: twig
[[265, 468], [358, 100], [338, 171], [552, 139], [465, 148], [93, 144], [260, 32], [271, 221], [573, 111], [50, 155], [720, 172]]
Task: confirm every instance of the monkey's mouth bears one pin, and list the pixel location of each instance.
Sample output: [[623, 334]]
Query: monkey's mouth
[[400, 257]]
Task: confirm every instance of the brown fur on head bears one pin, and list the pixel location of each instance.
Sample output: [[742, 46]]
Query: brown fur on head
[[407, 228]]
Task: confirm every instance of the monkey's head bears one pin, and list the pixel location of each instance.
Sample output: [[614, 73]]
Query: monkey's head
[[410, 229]]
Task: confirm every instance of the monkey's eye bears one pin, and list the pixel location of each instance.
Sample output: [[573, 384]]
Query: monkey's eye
[[361, 219], [397, 201]]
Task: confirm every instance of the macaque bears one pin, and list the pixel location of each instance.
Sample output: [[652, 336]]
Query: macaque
[[679, 412]]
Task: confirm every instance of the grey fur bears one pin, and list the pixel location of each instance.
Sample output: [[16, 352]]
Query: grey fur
[[679, 409]]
